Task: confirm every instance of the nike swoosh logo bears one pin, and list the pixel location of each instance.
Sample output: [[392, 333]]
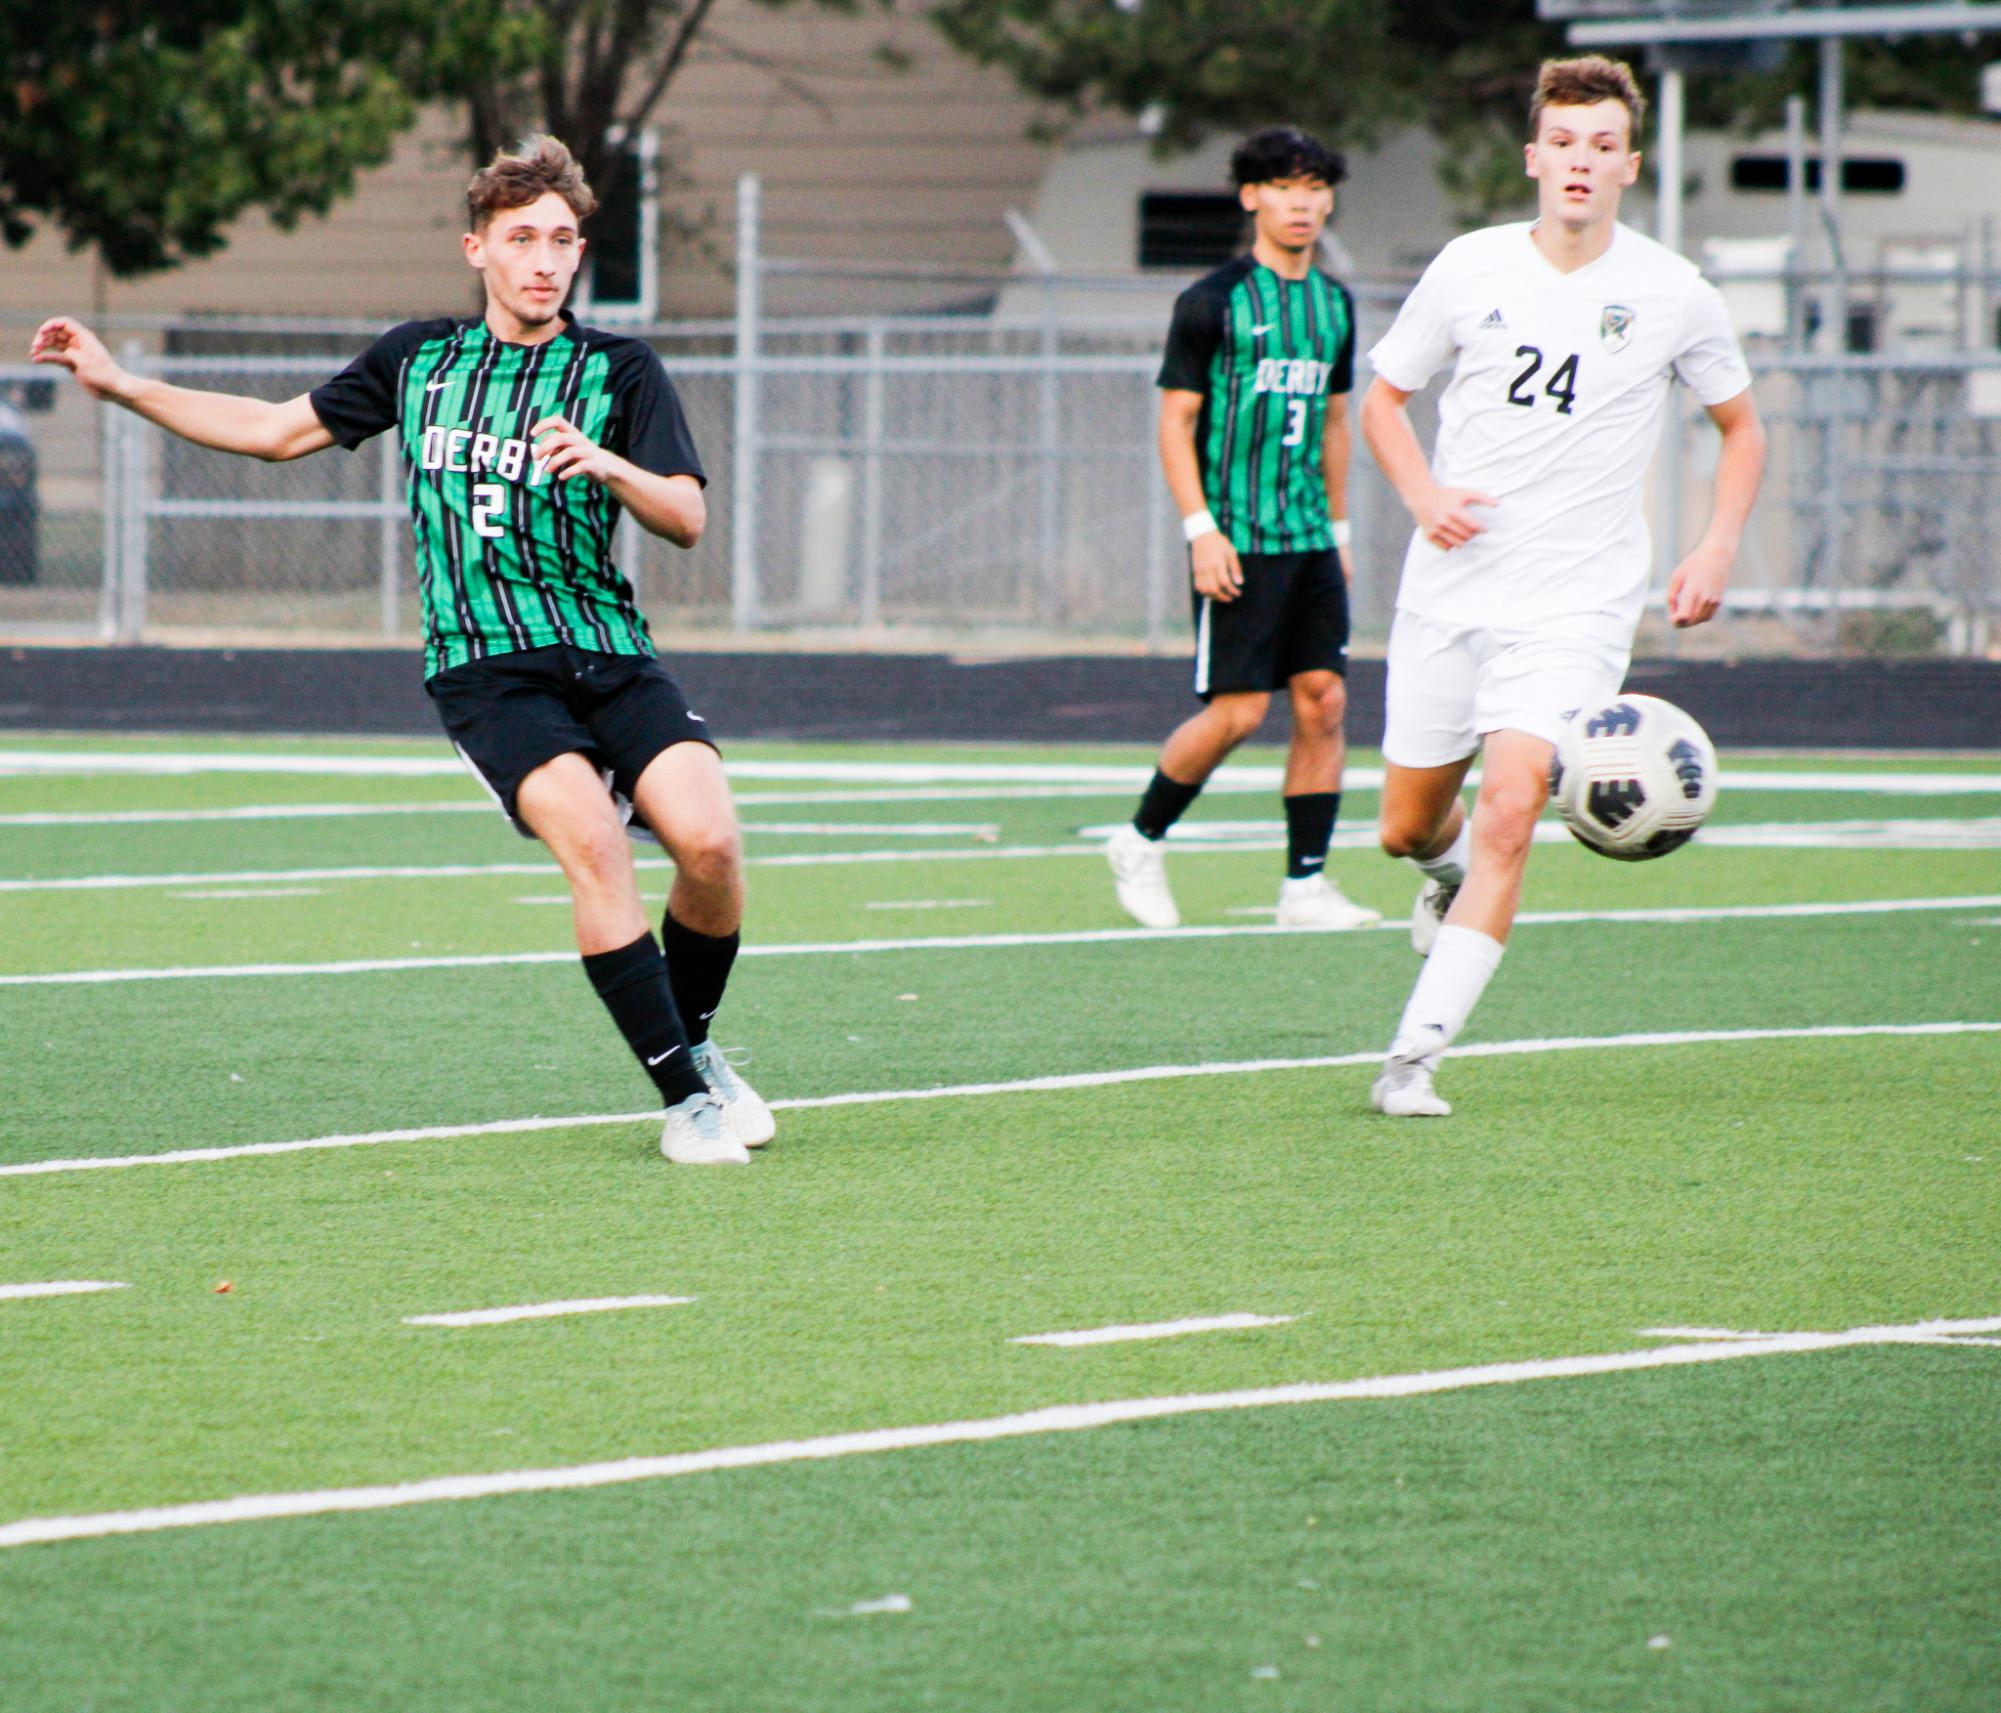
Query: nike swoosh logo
[[671, 1051], [433, 386], [1266, 328]]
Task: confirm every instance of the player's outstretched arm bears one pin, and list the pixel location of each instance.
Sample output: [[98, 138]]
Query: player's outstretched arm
[[1695, 591], [668, 506], [256, 428], [1444, 516]]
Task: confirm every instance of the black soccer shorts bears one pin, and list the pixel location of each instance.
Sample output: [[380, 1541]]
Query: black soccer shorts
[[510, 713], [1291, 617]]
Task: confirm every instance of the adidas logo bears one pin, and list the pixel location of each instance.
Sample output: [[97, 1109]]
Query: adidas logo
[[1493, 320]]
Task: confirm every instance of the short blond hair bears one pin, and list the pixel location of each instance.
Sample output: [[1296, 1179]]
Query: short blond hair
[[1583, 83], [524, 174]]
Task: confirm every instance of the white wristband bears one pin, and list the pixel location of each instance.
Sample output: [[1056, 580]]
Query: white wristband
[[1198, 524], [1343, 532]]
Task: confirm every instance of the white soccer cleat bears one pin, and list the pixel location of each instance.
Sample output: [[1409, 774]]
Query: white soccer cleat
[[1140, 873], [745, 1116], [1314, 901], [1403, 1090], [695, 1135], [1427, 915]]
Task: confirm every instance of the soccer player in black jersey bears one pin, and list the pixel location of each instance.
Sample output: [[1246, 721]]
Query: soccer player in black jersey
[[525, 436], [1254, 439]]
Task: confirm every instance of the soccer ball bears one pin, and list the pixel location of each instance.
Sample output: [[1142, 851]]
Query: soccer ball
[[1634, 779]]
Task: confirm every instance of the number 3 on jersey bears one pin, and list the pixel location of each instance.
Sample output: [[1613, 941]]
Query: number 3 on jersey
[[1562, 384], [1295, 422], [489, 506]]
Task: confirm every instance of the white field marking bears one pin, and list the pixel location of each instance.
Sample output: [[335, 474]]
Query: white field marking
[[240, 877], [1941, 834], [248, 812], [1679, 915], [255, 892], [484, 806], [1251, 776], [1029, 1085], [61, 1288], [1057, 1418], [1976, 834], [1158, 1329], [929, 904], [1719, 1332], [878, 829], [542, 1311], [1195, 839]]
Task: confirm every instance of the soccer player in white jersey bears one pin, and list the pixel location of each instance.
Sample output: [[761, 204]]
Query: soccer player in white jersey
[[1528, 569]]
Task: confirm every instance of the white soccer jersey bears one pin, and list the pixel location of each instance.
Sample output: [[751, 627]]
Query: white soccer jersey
[[1554, 407]]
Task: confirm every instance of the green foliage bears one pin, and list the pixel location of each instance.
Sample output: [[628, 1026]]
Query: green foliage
[[588, 71], [1347, 69], [144, 130]]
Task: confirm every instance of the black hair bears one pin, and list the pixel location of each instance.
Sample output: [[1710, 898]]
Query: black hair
[[1283, 152]]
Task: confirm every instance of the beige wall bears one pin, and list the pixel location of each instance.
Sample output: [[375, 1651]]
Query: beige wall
[[859, 162]]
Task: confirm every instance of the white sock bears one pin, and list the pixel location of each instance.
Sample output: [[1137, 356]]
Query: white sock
[[1461, 964], [1448, 868]]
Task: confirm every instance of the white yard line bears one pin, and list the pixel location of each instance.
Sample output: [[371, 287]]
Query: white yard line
[[1677, 915], [246, 812], [929, 904], [1255, 776], [1194, 839], [214, 892], [1156, 1329], [878, 829], [1058, 1418], [61, 1288], [542, 1311], [1029, 1085]]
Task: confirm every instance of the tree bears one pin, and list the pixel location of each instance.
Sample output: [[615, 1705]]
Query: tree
[[1350, 69], [589, 71], [145, 129]]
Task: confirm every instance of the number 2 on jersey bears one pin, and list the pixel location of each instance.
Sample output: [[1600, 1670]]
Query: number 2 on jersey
[[489, 506], [1562, 384]]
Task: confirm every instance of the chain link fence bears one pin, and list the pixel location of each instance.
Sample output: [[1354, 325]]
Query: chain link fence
[[981, 476]]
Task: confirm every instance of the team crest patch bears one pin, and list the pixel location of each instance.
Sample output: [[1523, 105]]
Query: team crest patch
[[1615, 326]]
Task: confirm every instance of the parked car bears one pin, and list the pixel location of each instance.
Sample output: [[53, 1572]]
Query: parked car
[[20, 506]]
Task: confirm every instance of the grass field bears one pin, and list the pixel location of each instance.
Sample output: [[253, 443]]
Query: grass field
[[1486, 1433]]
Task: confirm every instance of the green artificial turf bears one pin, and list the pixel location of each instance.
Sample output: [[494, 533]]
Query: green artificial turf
[[1812, 1531]]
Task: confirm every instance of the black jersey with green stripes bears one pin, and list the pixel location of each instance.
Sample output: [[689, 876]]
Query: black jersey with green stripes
[[1266, 353], [508, 559]]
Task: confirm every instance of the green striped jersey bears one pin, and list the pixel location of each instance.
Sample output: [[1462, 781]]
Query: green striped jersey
[[1266, 353], [508, 559]]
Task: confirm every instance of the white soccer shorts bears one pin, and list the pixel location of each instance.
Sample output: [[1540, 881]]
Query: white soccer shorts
[[1450, 685]]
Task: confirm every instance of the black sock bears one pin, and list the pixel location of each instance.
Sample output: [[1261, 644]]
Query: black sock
[[1309, 829], [1165, 801], [632, 982], [698, 969]]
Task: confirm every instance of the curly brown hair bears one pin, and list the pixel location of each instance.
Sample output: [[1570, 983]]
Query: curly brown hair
[[1583, 82], [524, 174]]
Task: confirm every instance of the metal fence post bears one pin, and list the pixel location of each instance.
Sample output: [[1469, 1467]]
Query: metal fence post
[[1048, 493], [132, 523], [1834, 314], [1667, 228], [109, 454], [870, 604], [388, 552], [1157, 512], [746, 599]]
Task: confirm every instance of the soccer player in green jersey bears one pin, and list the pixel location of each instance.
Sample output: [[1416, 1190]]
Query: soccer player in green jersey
[[1254, 439], [525, 436]]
